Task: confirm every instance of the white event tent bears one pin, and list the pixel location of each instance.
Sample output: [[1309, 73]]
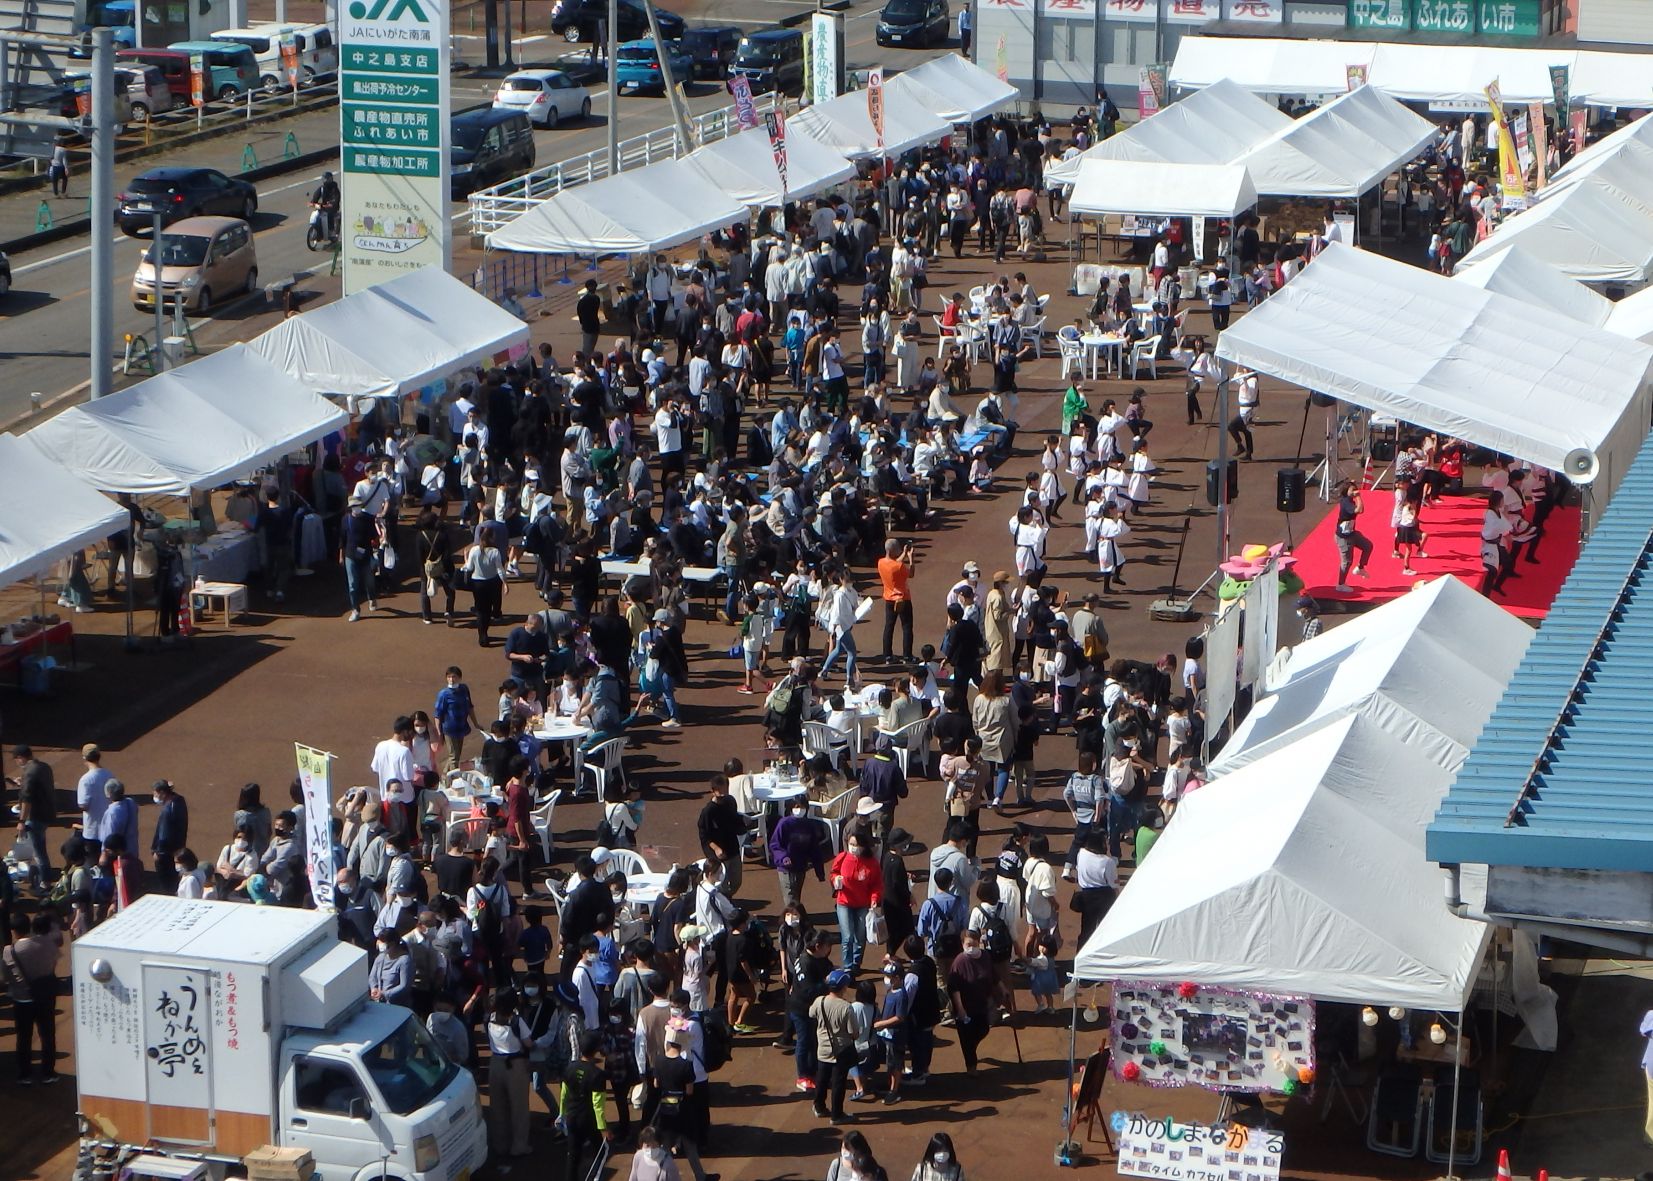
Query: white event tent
[[1161, 190], [653, 208], [955, 88], [743, 167], [46, 513], [1518, 274], [1593, 230], [216, 419], [1213, 126], [844, 125], [1632, 316], [393, 338], [1422, 667], [1633, 139], [1342, 149], [1301, 868], [1407, 342]]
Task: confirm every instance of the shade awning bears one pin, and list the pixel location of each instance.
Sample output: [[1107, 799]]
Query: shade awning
[[1212, 126], [653, 208], [1407, 342], [217, 419], [955, 88], [1161, 190], [844, 125], [743, 167], [46, 513], [1594, 232], [1342, 149]]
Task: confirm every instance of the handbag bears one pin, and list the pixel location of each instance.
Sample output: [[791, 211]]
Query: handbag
[[877, 930], [1074, 904], [23, 850]]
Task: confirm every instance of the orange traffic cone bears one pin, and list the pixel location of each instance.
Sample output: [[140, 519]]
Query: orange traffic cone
[[1543, 1175], [1504, 1165]]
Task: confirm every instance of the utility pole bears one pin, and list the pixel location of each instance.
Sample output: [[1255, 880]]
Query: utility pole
[[680, 117], [610, 45], [103, 207]]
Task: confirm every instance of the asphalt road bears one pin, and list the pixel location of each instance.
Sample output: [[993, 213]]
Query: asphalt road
[[43, 339]]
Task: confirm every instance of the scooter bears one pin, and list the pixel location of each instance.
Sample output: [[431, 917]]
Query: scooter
[[322, 232]]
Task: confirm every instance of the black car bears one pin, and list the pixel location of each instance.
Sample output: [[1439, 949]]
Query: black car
[[578, 20], [772, 60], [177, 193], [713, 49], [914, 23], [487, 146]]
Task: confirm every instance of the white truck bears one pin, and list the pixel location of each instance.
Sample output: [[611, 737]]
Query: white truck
[[209, 1029]]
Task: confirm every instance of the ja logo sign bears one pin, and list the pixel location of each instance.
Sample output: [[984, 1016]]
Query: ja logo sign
[[360, 11]]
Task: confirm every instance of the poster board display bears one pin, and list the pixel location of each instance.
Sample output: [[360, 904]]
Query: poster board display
[[1221, 1039], [1164, 1149]]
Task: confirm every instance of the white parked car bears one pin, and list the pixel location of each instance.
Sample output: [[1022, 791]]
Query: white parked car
[[545, 96]]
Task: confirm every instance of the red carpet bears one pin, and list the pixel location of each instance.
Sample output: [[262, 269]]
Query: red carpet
[[1453, 528]]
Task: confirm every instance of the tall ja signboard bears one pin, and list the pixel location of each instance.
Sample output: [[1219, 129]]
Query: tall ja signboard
[[393, 121]]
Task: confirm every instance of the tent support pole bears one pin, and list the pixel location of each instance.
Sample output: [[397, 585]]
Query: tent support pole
[[1457, 1098], [131, 563]]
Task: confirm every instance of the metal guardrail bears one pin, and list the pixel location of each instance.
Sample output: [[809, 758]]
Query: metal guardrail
[[498, 206]]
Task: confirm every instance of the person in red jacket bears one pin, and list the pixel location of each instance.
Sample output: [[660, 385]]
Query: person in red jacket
[[857, 887]]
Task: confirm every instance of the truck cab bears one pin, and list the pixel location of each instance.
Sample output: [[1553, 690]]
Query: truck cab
[[378, 1097]]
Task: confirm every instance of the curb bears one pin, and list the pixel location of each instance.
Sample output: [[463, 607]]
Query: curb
[[795, 19]]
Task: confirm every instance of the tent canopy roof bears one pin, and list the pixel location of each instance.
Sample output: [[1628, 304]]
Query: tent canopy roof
[[1518, 274], [1635, 137], [1394, 338], [743, 167], [1301, 873], [1632, 316], [1593, 231], [46, 513], [844, 125], [1341, 149], [955, 88], [653, 208], [1216, 125], [1162, 190], [201, 425], [392, 338]]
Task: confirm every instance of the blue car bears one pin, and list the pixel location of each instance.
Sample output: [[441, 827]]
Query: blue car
[[637, 66]]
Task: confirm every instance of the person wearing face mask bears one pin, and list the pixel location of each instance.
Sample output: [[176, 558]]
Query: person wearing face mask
[[537, 1010], [390, 979], [171, 832], [940, 1163], [283, 862], [509, 1042], [584, 979], [857, 887], [855, 1161], [797, 845], [674, 1083], [971, 986]]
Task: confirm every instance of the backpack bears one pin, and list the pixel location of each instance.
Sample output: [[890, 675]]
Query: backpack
[[717, 1041], [998, 212], [761, 956], [995, 935], [941, 921], [490, 922]]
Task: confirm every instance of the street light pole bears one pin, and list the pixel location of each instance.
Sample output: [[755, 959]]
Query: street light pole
[[103, 207]]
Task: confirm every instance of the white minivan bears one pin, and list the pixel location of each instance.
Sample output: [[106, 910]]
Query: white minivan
[[318, 53]]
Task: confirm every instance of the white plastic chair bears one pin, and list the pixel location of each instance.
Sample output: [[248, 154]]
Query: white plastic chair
[[912, 739], [944, 331], [822, 739], [1145, 351], [1037, 331], [1179, 326], [471, 830], [1073, 355], [836, 810], [628, 861], [977, 295], [604, 760], [540, 818]]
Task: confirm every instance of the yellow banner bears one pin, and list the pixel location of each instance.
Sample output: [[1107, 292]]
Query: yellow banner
[[1509, 167]]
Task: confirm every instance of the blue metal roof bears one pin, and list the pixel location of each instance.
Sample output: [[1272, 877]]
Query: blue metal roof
[[1560, 777]]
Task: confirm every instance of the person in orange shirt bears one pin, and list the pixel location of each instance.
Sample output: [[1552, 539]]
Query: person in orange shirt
[[894, 570]]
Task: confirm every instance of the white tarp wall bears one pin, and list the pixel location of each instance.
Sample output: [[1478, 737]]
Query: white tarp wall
[[1516, 273], [844, 125], [653, 208], [1303, 873], [743, 167], [393, 338], [1423, 73], [1216, 125], [955, 88], [46, 513], [1422, 666], [1592, 231], [198, 426], [1342, 149], [1395, 338], [1161, 190]]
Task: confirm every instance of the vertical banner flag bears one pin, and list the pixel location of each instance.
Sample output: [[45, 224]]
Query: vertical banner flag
[[1523, 142], [394, 102], [1540, 143], [1509, 167], [775, 123], [1354, 77], [875, 104], [825, 30], [289, 58], [197, 80], [1578, 123], [1199, 238], [1559, 82], [1001, 60], [315, 776], [1150, 89], [746, 113]]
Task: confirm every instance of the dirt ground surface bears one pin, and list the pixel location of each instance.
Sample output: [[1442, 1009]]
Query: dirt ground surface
[[226, 707]]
